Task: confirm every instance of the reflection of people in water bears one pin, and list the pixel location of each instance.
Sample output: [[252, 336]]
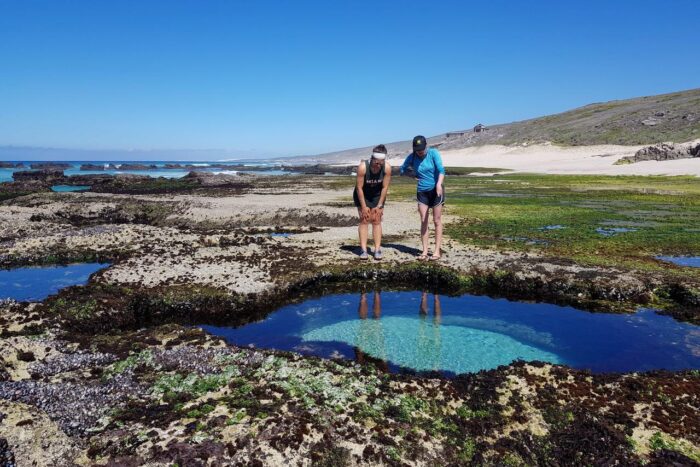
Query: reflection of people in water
[[429, 343], [370, 333]]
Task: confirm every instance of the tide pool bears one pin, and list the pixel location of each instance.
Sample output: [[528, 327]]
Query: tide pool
[[688, 261], [37, 283], [426, 332], [69, 188]]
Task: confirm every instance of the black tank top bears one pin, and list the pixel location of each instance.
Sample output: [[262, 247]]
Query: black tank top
[[373, 182]]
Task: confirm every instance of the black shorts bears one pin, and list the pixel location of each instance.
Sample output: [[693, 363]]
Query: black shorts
[[371, 202], [431, 198]]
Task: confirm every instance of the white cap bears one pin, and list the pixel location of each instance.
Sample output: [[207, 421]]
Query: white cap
[[379, 155]]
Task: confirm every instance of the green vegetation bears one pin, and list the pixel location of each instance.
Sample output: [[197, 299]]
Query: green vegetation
[[79, 310], [467, 450], [559, 215], [5, 195], [467, 413], [663, 441], [172, 386], [615, 122], [144, 357]]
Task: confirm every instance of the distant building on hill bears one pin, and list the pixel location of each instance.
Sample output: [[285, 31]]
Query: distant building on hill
[[454, 133], [479, 128]]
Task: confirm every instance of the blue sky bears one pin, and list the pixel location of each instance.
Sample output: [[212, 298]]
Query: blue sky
[[302, 77]]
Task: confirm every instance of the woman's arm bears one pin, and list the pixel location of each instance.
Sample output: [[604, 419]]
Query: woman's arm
[[385, 184], [405, 164], [359, 183], [437, 159], [438, 186]]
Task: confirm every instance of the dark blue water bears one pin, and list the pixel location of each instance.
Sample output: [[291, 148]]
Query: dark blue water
[[37, 283], [688, 261], [453, 335]]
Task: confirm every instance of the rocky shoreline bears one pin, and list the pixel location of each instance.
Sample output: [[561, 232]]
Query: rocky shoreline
[[113, 373]]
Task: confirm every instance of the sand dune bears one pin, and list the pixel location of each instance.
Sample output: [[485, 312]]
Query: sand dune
[[551, 159]]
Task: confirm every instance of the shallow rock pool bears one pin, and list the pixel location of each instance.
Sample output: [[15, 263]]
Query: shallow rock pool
[[37, 283], [425, 332], [688, 261]]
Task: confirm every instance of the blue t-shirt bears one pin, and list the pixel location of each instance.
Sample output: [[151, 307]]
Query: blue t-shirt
[[427, 169]]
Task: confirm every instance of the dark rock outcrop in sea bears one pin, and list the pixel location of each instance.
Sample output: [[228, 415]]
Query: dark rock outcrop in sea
[[212, 179], [44, 176], [137, 167], [50, 166], [95, 166]]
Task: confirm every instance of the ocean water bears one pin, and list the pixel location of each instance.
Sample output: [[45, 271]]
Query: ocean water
[[37, 283], [159, 171], [452, 335]]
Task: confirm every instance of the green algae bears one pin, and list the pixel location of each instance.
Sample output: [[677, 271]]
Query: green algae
[[581, 203], [661, 441], [169, 386], [144, 357]]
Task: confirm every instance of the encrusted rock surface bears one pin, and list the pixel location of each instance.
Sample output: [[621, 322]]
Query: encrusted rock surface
[[112, 373]]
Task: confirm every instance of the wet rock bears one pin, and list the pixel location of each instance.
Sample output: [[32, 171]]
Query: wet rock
[[7, 458], [138, 167], [71, 362], [94, 166], [50, 166], [212, 179], [74, 407], [666, 458], [26, 356], [46, 176], [10, 165]]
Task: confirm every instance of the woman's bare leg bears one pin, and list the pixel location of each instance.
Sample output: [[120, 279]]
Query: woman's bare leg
[[437, 220], [363, 231], [423, 212]]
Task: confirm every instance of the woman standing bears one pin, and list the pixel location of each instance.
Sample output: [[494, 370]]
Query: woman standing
[[427, 167], [373, 178]]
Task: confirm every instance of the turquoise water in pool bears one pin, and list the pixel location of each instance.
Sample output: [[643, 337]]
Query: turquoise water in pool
[[37, 283], [69, 188], [451, 335]]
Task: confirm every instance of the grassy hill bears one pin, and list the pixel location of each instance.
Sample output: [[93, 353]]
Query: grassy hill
[[643, 120]]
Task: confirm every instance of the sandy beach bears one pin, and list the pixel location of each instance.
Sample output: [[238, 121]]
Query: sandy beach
[[552, 159]]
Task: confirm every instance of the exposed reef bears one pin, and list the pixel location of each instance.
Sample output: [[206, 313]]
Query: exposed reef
[[114, 373]]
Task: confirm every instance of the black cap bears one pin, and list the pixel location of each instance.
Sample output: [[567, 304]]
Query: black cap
[[419, 143]]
